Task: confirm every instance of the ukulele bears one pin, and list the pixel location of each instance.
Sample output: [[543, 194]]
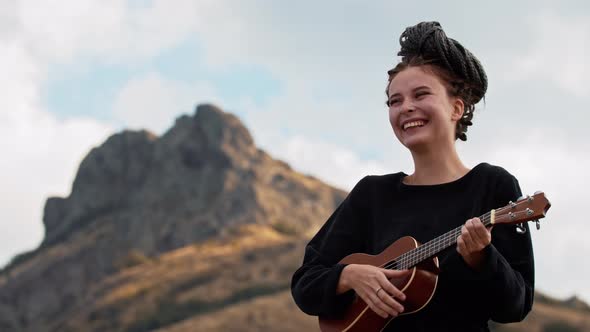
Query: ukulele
[[407, 254]]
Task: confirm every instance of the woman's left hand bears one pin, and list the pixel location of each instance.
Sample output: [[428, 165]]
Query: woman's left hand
[[473, 239]]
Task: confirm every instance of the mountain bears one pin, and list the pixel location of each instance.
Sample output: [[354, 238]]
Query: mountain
[[196, 230], [138, 195]]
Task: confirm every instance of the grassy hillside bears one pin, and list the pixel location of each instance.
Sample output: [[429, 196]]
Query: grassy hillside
[[239, 282]]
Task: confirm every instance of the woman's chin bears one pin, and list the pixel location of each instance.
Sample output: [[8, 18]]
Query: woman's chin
[[415, 142]]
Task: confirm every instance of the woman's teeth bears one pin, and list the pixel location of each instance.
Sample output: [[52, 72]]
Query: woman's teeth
[[413, 124]]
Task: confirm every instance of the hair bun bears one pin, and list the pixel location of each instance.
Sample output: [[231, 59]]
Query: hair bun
[[413, 39], [429, 41]]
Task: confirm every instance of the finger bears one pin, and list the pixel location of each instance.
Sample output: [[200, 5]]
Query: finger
[[478, 234], [384, 298], [470, 226], [395, 273], [391, 303], [391, 289], [482, 233], [461, 245], [468, 240], [373, 302], [391, 311]]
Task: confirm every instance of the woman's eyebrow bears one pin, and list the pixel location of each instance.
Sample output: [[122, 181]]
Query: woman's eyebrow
[[394, 95], [413, 90], [421, 87]]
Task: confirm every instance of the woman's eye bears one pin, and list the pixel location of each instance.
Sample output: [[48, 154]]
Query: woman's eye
[[393, 102], [420, 94]]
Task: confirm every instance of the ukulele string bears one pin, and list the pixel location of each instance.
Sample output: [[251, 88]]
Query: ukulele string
[[415, 256]]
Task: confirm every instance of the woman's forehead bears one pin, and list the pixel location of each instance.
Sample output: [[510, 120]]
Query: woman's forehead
[[412, 78]]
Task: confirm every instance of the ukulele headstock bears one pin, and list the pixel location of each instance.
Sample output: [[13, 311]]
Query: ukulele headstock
[[524, 209]]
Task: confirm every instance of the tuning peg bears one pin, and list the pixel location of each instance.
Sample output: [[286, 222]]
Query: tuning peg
[[538, 224], [520, 229]]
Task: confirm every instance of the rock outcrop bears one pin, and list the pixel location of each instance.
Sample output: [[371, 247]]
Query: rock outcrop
[[139, 195]]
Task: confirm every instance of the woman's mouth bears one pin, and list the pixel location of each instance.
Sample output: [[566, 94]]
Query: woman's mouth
[[413, 124]]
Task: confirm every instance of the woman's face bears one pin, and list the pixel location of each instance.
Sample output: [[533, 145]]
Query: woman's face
[[421, 112]]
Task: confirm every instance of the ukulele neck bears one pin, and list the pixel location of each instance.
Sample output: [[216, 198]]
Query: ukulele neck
[[433, 247]]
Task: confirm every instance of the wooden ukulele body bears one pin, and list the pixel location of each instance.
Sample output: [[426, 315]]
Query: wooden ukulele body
[[418, 286]]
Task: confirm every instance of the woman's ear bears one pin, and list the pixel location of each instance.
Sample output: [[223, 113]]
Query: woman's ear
[[458, 109]]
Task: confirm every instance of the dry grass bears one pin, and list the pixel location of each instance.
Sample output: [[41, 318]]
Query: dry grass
[[239, 281], [246, 263], [275, 312]]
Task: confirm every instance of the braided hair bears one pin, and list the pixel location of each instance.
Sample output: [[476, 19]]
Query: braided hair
[[427, 44]]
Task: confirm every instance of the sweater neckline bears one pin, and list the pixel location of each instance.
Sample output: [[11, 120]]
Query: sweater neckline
[[446, 185]]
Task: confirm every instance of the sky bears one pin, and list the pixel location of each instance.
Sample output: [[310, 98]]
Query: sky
[[308, 79]]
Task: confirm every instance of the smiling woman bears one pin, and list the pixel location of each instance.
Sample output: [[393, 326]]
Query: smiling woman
[[431, 94]]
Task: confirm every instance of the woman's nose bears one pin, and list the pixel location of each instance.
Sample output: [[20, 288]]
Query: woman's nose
[[407, 106]]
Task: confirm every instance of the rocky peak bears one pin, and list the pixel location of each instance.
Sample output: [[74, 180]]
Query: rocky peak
[[575, 302], [105, 178], [222, 128], [212, 129], [132, 165]]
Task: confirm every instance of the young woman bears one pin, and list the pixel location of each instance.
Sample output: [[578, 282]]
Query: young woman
[[488, 275]]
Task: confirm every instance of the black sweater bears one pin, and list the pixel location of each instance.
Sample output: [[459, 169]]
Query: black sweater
[[381, 209]]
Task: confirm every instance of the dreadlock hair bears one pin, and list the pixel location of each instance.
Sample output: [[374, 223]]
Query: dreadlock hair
[[426, 45]]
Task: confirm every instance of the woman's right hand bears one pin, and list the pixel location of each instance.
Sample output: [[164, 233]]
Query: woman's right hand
[[372, 284]]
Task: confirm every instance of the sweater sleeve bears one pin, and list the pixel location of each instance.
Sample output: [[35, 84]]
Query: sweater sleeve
[[508, 267], [510, 263], [314, 284]]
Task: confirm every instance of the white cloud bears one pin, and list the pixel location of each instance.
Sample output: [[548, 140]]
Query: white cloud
[[152, 102], [332, 91], [330, 163], [108, 29], [359, 120], [8, 21], [41, 157], [559, 52], [40, 153]]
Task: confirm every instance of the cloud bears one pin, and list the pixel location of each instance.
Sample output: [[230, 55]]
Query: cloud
[[41, 161], [108, 30], [40, 152], [330, 163], [559, 52], [350, 120], [152, 102], [8, 21], [41, 157], [325, 80]]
